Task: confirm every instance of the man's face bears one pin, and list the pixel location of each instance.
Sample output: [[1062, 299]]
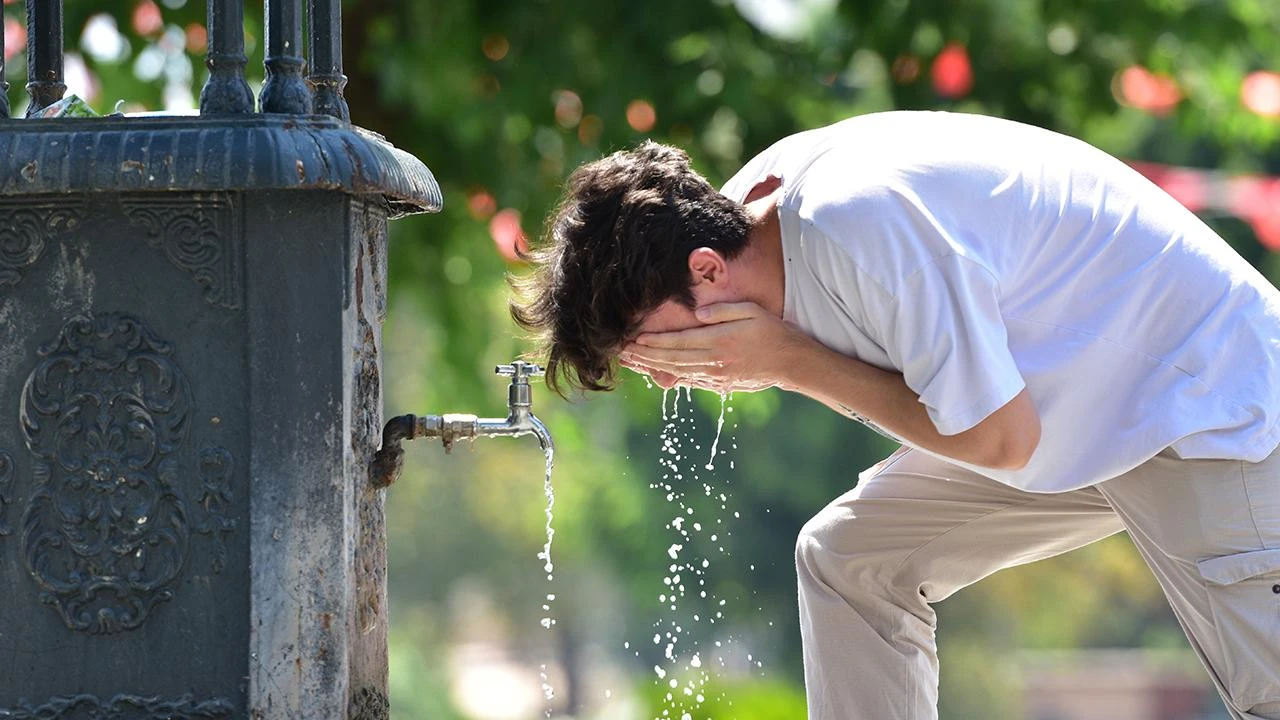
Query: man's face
[[669, 316], [710, 283]]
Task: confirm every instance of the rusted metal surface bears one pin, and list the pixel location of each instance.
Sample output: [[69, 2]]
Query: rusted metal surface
[[388, 462], [369, 704], [255, 152], [368, 624]]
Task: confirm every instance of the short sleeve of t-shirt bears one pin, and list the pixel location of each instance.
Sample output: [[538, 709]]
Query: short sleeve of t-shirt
[[944, 331], [933, 309]]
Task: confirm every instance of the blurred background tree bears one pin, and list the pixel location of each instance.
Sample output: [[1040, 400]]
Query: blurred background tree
[[502, 98]]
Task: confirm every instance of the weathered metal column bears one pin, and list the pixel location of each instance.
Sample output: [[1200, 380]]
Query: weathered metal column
[[190, 325]]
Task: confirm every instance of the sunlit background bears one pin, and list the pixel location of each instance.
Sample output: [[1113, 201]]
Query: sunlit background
[[673, 587]]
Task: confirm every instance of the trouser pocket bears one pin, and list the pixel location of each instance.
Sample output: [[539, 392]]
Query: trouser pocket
[[1244, 597]]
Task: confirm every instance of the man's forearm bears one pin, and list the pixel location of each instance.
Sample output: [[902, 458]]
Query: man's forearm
[[881, 398]]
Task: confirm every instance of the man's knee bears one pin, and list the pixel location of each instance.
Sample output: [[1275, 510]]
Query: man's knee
[[839, 548]]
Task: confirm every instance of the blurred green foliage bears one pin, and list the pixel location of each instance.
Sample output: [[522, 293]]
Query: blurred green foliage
[[502, 98]]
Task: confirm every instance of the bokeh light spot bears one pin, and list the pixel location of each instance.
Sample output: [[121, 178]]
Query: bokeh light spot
[[590, 130], [710, 82], [1260, 92], [568, 108], [15, 37], [457, 270], [80, 80], [641, 116], [146, 18], [1062, 39], [495, 46], [906, 68], [1138, 87], [480, 204], [197, 38], [102, 40], [507, 234], [951, 72]]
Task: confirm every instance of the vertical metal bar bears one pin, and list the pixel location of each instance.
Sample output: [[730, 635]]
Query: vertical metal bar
[[226, 92], [284, 91], [327, 80], [44, 54], [4, 81]]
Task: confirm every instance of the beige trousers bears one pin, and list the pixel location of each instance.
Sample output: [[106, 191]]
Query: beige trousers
[[916, 529]]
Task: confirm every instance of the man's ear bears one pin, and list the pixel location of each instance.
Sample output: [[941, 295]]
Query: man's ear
[[708, 266]]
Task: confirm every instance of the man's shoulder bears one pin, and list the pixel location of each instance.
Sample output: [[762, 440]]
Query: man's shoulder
[[788, 157]]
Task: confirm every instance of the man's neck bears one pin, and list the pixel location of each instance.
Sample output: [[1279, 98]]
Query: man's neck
[[761, 264]]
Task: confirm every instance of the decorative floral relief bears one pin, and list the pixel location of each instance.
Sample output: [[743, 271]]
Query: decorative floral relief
[[105, 531], [215, 500], [198, 234], [121, 707], [25, 229]]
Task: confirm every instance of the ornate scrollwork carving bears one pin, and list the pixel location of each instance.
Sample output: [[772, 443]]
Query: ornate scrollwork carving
[[215, 499], [198, 234], [25, 229], [6, 486], [121, 707], [105, 531]]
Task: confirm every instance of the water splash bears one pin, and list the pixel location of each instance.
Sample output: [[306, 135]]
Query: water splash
[[687, 597], [711, 463], [548, 692]]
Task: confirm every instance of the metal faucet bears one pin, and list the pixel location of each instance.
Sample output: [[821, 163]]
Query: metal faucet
[[452, 427]]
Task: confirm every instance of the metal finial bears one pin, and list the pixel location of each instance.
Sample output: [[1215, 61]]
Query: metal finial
[[225, 92], [326, 78], [44, 54], [285, 91]]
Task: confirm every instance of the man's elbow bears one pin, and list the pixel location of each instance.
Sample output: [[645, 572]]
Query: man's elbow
[[1015, 446], [1009, 437]]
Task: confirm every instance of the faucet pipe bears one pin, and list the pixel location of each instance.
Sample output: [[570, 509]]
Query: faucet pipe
[[452, 427]]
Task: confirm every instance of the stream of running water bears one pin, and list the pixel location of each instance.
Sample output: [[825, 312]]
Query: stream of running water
[[684, 672], [548, 620]]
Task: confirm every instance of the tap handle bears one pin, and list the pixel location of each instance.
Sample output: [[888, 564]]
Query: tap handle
[[519, 371]]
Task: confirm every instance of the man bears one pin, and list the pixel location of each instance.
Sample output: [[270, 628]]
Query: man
[[1063, 350]]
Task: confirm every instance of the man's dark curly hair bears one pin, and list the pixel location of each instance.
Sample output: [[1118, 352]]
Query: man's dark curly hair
[[616, 249]]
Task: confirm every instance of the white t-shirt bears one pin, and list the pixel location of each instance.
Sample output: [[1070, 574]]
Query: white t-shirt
[[978, 256]]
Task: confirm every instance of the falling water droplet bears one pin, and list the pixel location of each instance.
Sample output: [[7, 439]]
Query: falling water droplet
[[711, 464]]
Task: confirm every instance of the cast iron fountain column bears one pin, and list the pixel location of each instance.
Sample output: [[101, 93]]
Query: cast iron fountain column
[[190, 393]]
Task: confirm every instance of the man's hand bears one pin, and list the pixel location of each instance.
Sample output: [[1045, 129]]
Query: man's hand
[[743, 347], [740, 348]]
